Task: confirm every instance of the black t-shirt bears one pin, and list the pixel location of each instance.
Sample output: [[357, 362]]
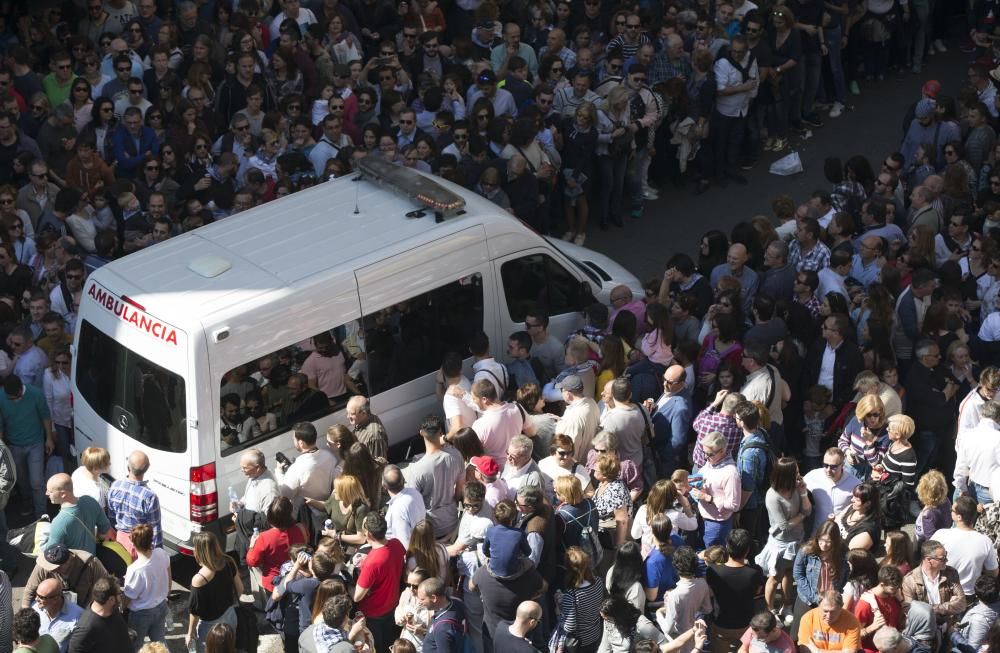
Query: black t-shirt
[[734, 589], [504, 641], [96, 633], [501, 597], [808, 12]]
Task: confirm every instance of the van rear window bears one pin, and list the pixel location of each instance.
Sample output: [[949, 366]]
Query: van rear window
[[132, 394]]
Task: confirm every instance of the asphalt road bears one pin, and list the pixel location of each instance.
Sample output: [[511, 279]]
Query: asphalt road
[[676, 221]]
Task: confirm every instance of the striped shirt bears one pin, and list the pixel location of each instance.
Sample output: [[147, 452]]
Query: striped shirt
[[131, 503], [581, 612], [902, 463], [851, 439]]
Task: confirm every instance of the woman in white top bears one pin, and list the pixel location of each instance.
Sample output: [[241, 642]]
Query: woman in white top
[[663, 497], [562, 463], [57, 388], [410, 617], [94, 461], [147, 584]]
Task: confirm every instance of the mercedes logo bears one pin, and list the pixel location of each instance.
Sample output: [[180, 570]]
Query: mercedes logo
[[123, 422]]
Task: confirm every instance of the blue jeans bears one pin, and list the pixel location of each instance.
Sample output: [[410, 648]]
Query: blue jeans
[[610, 205], [812, 71], [201, 630], [30, 461], [833, 37], [151, 621], [716, 531], [976, 491]]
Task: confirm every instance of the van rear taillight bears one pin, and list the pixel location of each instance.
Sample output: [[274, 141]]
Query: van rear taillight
[[204, 494]]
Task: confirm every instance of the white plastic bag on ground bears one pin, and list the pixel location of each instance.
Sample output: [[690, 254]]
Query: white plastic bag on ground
[[789, 164]]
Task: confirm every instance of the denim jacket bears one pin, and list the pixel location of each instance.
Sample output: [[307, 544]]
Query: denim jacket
[[806, 574]]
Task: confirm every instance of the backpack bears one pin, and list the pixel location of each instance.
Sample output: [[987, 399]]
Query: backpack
[[507, 391], [465, 641], [589, 540], [8, 475]]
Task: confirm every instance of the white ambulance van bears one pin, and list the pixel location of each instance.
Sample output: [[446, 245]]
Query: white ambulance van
[[398, 266]]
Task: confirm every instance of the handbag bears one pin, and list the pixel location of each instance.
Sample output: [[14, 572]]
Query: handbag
[[110, 553], [563, 642]]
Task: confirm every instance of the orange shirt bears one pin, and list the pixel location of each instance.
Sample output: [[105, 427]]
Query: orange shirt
[[844, 634]]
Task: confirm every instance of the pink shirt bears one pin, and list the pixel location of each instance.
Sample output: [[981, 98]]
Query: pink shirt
[[327, 372], [495, 428], [636, 307], [656, 350], [722, 481]]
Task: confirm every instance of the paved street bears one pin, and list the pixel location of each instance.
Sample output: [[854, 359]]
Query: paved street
[[676, 221]]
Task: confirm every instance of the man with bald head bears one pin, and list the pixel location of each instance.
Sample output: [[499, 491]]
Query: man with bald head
[[555, 43], [78, 517], [865, 265], [515, 636], [131, 502], [58, 616], [737, 268], [671, 417], [501, 55]]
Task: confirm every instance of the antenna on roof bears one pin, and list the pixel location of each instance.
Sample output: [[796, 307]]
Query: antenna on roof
[[357, 211]]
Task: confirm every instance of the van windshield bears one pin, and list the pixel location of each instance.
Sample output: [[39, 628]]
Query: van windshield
[[132, 394]]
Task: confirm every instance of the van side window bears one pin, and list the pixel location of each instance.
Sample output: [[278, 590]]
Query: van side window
[[536, 282], [408, 339], [302, 382]]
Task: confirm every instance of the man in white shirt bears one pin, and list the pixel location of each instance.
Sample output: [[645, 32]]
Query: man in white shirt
[[250, 511], [581, 418], [831, 488], [487, 367], [970, 553], [311, 475], [736, 80], [291, 9], [405, 508], [970, 411], [457, 413], [979, 456], [521, 470]]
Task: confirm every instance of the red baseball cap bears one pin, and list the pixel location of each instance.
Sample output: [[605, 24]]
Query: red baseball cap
[[486, 465], [931, 88]]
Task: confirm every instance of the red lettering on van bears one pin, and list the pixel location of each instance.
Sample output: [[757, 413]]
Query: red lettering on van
[[129, 315]]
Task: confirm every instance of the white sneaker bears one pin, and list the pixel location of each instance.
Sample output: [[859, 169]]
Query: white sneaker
[[568, 235], [579, 239], [930, 49], [650, 194], [836, 110], [939, 44]]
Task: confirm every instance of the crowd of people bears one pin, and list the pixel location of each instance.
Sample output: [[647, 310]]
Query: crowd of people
[[731, 462]]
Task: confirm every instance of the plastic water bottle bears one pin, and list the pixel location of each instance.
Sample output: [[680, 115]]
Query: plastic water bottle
[[328, 524], [233, 497], [256, 531]]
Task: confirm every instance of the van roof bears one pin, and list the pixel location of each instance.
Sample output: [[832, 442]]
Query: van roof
[[285, 241]]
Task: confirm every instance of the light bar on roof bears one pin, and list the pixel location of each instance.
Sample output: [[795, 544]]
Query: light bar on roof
[[410, 184]]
